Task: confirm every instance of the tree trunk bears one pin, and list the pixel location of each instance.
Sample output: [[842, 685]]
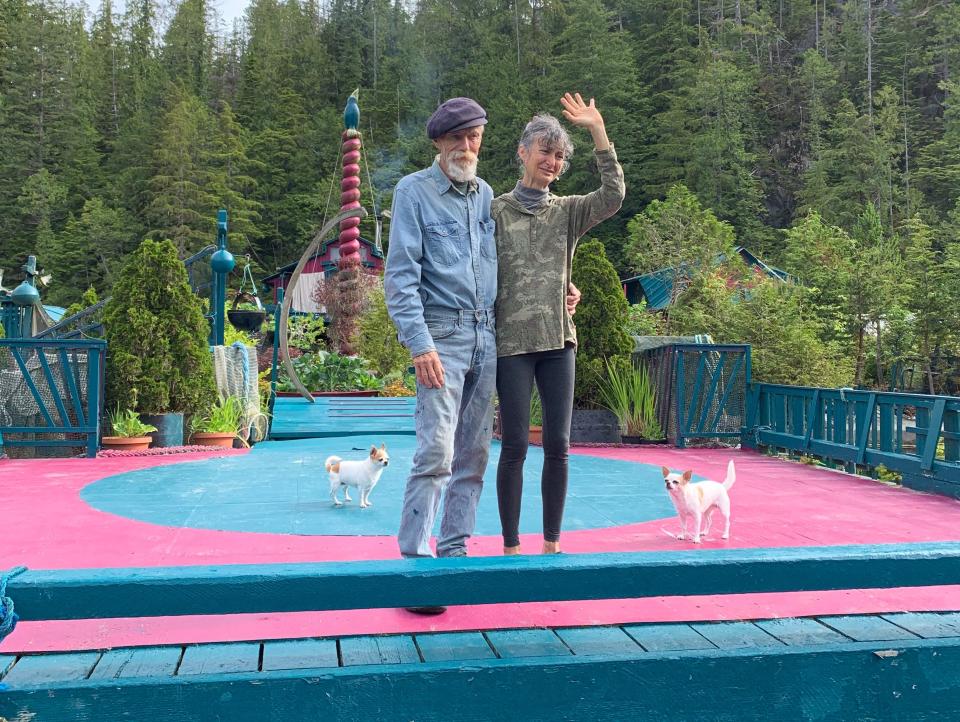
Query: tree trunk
[[870, 58], [880, 370], [858, 373]]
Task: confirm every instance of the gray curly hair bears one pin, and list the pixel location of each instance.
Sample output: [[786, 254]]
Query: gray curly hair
[[546, 129]]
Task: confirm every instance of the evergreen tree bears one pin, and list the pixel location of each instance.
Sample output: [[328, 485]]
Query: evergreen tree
[[184, 205]]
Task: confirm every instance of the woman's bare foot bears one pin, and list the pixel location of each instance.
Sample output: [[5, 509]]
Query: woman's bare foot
[[551, 547], [511, 551]]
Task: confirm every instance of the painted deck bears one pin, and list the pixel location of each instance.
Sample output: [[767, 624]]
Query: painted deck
[[271, 505]]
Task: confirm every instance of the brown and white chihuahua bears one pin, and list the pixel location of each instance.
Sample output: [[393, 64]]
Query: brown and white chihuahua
[[696, 501], [362, 474]]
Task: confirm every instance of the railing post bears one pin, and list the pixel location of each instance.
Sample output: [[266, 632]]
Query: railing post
[[221, 263]]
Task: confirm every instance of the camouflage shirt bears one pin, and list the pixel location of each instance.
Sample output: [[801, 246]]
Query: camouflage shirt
[[535, 251]]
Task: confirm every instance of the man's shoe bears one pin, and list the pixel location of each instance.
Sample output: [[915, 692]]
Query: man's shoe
[[426, 610]]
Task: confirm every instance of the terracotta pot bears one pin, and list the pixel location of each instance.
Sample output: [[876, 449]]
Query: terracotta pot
[[126, 443], [536, 435], [213, 438]]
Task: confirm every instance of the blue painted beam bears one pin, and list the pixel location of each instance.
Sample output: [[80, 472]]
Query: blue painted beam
[[231, 589]]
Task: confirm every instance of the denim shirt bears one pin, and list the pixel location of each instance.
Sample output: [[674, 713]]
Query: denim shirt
[[442, 253]]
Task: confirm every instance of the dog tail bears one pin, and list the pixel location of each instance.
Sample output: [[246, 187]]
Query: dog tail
[[731, 476], [331, 460]]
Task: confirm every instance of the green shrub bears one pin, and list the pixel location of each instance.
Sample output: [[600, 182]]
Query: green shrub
[[158, 359], [601, 319], [377, 337]]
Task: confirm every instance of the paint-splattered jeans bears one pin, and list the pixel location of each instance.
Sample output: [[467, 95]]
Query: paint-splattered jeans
[[454, 425]]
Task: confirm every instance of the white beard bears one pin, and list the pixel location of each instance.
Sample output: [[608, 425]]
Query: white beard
[[459, 169]]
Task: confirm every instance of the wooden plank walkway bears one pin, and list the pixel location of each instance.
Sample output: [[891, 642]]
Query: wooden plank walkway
[[250, 676]]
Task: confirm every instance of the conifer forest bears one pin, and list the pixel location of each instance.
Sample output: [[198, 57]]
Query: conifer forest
[[823, 136]]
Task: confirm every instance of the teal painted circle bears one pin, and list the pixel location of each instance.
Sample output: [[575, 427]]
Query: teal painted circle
[[281, 487]]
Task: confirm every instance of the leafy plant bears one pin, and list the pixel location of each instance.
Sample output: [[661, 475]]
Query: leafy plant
[[326, 371], [628, 393], [232, 335], [888, 475], [225, 416], [127, 424], [307, 332]]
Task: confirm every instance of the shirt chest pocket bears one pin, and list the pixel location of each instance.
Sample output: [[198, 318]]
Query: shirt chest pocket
[[444, 243], [488, 243]]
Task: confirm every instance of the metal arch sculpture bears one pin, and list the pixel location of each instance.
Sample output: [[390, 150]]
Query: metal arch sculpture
[[357, 213]]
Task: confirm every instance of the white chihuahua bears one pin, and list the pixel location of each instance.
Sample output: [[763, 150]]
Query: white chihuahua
[[362, 474], [699, 500]]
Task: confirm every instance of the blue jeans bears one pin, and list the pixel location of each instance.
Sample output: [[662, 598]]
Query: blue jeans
[[454, 426]]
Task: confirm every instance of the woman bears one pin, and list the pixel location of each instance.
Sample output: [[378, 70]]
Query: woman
[[537, 233]]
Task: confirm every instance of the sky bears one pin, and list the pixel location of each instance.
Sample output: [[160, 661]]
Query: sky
[[230, 10]]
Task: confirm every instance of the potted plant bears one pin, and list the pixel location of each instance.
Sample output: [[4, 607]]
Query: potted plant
[[158, 358], [129, 432], [628, 393], [601, 320], [221, 425]]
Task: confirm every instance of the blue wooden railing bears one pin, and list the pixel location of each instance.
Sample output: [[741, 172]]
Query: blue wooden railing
[[902, 432], [59, 382]]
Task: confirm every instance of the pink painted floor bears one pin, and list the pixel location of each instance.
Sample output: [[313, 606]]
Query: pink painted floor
[[776, 504]]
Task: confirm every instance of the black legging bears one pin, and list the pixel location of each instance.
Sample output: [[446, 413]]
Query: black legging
[[553, 372]]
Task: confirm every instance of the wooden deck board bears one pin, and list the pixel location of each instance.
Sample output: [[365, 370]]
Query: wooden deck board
[[929, 625], [668, 637], [300, 654], [41, 669], [800, 631], [451, 646], [598, 640], [865, 628], [512, 643], [132, 662], [736, 635], [220, 658], [393, 649]]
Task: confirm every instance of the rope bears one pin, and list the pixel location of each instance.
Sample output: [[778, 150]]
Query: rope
[[377, 241], [8, 618], [756, 433]]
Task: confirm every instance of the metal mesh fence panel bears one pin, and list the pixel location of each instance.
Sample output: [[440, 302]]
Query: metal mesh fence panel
[[701, 391]]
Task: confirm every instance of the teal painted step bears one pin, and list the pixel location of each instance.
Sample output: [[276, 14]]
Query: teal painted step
[[915, 680]]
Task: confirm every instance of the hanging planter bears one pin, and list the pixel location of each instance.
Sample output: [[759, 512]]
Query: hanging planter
[[247, 320]]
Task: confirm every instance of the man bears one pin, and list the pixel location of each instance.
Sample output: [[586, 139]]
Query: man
[[441, 283]]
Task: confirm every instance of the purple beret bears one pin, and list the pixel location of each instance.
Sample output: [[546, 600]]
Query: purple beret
[[455, 114]]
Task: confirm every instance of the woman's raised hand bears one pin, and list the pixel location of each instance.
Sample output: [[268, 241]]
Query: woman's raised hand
[[580, 113], [586, 116]]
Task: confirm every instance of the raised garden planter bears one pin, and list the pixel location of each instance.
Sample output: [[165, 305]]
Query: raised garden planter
[[317, 394]]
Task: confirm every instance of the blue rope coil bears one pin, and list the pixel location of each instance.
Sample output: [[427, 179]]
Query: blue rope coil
[[8, 618]]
